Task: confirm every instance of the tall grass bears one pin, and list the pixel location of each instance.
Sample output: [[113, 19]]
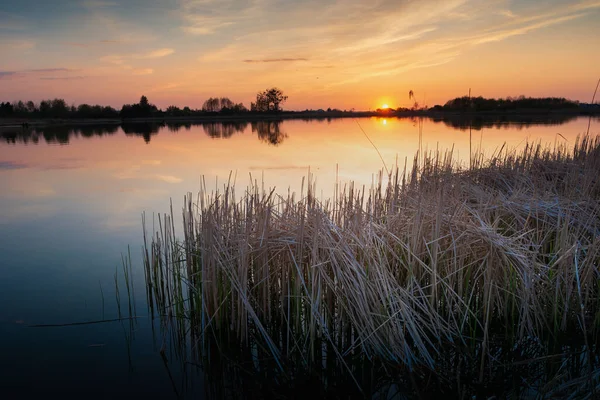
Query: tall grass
[[426, 266]]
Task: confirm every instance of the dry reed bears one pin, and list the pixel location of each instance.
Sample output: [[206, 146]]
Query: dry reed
[[433, 258]]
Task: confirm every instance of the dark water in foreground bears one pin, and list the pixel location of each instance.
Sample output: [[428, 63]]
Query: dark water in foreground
[[70, 205]]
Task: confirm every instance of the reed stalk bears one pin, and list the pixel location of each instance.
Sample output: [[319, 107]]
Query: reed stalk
[[427, 261]]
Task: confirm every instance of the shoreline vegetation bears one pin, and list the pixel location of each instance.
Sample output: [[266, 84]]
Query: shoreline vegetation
[[441, 280], [268, 106]]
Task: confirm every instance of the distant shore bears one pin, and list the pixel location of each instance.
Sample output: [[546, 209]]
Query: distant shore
[[303, 115]]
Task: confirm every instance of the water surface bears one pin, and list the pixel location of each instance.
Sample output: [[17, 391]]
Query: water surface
[[70, 205]]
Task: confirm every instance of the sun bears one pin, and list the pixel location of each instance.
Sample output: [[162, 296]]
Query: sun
[[385, 106]]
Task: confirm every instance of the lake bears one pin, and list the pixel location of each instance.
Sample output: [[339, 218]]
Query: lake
[[71, 202]]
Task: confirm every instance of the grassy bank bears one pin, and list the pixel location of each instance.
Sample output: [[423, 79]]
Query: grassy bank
[[441, 272]]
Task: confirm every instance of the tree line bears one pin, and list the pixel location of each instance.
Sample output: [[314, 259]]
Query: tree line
[[467, 103], [57, 108], [270, 100]]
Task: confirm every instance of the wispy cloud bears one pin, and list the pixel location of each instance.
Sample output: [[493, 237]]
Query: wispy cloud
[[386, 38], [274, 60], [505, 34], [169, 178], [207, 28], [16, 44], [120, 59], [92, 43], [143, 71], [33, 72], [164, 88], [506, 13], [94, 4], [157, 53], [126, 61], [45, 70], [66, 78], [205, 18]]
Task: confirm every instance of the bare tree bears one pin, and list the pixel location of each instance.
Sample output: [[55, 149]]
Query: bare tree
[[269, 100]]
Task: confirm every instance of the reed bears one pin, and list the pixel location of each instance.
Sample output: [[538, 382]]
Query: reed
[[436, 268]]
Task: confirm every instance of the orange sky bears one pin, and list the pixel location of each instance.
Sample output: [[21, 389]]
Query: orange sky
[[344, 54]]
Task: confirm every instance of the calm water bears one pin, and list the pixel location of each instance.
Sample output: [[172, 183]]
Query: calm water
[[71, 201]]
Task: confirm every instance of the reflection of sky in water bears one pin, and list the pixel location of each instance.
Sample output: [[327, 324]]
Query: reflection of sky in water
[[67, 212]]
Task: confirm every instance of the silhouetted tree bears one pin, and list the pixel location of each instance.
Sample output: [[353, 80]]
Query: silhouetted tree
[[141, 110], [173, 111], [269, 100], [31, 108], [6, 109], [223, 104], [212, 104], [234, 109], [59, 108], [45, 108]]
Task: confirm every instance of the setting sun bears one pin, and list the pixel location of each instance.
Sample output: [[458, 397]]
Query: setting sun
[[385, 106]]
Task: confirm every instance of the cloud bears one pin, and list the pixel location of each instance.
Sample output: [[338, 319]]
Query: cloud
[[143, 71], [16, 44], [201, 24], [505, 34], [33, 72], [92, 43], [94, 4], [66, 78], [157, 53], [164, 88], [207, 29], [507, 13], [113, 59], [386, 38], [44, 70], [395, 36], [169, 178], [225, 53], [125, 61], [271, 60]]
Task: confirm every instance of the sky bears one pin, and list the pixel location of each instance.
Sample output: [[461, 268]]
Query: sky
[[328, 53]]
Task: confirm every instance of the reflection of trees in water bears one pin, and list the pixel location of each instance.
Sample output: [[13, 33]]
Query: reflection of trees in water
[[58, 133], [175, 126], [224, 129], [507, 121], [143, 129], [269, 131]]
